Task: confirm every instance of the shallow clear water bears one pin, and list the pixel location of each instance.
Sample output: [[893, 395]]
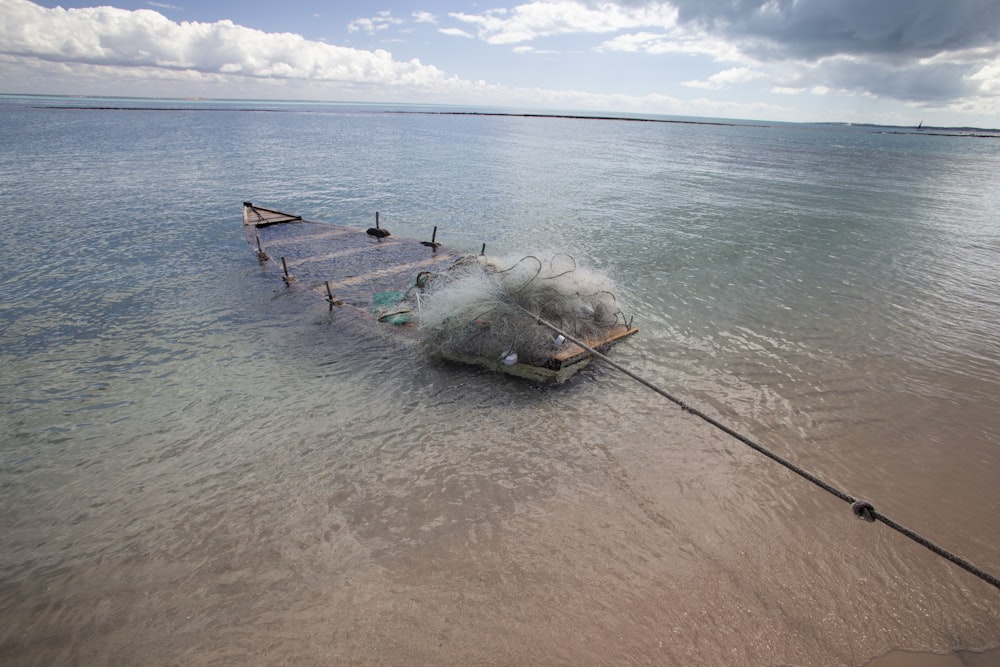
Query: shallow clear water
[[200, 465]]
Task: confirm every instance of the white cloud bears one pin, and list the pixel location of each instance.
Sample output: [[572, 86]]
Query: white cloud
[[726, 78], [525, 50], [456, 32], [424, 17], [380, 21], [679, 41], [105, 36], [988, 77], [541, 18]]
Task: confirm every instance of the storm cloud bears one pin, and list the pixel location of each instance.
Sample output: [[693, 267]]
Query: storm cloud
[[927, 51], [812, 29]]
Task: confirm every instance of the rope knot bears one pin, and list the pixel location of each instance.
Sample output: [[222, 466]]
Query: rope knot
[[863, 510]]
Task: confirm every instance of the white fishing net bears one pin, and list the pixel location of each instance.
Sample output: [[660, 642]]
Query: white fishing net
[[478, 308]]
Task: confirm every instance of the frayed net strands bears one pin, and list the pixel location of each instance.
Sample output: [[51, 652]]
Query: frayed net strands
[[478, 307]]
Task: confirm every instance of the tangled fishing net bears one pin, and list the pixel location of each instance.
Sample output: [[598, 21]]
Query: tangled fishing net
[[489, 307]]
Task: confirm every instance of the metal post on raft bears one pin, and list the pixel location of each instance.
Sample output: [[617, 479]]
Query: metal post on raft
[[377, 230], [261, 255], [329, 296], [432, 244], [288, 278]]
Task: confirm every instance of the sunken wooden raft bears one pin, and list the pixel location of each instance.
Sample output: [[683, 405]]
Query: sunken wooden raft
[[355, 264], [349, 265]]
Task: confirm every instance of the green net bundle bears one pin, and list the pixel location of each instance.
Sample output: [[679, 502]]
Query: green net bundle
[[478, 307]]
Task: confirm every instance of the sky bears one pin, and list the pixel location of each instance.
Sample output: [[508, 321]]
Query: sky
[[898, 62]]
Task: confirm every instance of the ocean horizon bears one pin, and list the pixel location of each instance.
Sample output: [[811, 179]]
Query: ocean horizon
[[480, 109]]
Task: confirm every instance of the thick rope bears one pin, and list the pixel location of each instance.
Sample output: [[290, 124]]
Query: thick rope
[[861, 508]]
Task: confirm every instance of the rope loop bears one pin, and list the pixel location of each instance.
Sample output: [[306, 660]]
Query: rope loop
[[863, 510]]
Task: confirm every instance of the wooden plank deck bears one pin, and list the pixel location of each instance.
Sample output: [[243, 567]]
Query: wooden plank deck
[[355, 264]]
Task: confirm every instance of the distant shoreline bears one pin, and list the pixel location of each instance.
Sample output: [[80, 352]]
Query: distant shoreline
[[975, 132], [514, 114]]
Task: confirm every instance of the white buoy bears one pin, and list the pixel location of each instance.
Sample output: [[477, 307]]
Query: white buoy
[[510, 359]]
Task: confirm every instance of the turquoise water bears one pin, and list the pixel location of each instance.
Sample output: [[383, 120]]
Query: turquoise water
[[198, 464]]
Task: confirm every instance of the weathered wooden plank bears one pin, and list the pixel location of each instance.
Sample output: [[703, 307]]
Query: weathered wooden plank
[[259, 216], [571, 350], [333, 255], [396, 269], [322, 234]]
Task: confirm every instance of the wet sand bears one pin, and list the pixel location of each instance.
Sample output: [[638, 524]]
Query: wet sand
[[440, 549]]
